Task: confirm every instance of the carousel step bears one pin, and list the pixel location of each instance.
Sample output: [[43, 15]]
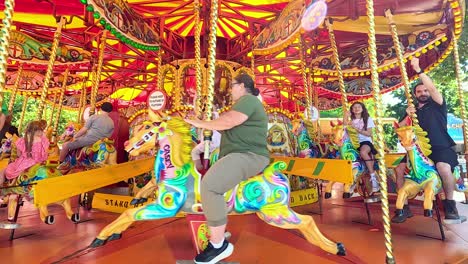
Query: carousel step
[[455, 221], [191, 262], [9, 225]]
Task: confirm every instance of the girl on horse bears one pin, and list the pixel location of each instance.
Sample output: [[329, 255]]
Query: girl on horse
[[358, 117], [31, 149]]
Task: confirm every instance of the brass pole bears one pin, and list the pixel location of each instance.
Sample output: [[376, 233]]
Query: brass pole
[[50, 67], [59, 111], [401, 63], [4, 44], [304, 78], [336, 60], [198, 71], [97, 77], [15, 89], [379, 131], [211, 73], [23, 111]]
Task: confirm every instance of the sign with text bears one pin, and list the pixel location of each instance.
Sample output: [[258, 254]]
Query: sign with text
[[302, 197], [157, 100]]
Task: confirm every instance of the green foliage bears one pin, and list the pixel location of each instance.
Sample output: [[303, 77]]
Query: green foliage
[[31, 112]]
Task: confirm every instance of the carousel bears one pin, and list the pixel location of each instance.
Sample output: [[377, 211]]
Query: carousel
[[135, 195]]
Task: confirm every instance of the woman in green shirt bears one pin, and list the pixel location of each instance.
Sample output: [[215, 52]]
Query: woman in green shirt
[[243, 154]]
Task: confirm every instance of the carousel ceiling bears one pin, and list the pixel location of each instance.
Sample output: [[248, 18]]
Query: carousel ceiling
[[268, 30]]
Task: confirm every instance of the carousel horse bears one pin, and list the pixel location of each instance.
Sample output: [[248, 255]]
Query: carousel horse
[[306, 147], [346, 138], [70, 130], [178, 185], [422, 174], [278, 140], [23, 186], [99, 154], [282, 141], [8, 146]]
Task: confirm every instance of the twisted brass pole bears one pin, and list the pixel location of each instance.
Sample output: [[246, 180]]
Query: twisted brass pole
[[51, 121], [379, 131], [59, 110], [19, 74], [23, 111], [252, 64], [456, 60], [50, 67], [211, 74], [336, 60], [97, 77], [82, 99], [4, 44], [304, 78], [198, 71], [159, 81], [401, 62]]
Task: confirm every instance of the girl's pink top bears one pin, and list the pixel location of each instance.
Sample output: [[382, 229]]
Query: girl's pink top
[[39, 153]]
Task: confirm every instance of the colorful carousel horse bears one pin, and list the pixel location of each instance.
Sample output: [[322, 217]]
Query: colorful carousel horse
[[23, 186], [422, 174], [178, 183], [8, 146], [306, 147], [99, 154], [347, 139], [69, 132], [279, 140]]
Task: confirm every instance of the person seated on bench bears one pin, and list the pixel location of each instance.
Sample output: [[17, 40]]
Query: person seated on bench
[[97, 127], [31, 150]]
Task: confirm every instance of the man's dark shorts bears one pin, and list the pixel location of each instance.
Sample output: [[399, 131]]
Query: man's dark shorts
[[447, 155]]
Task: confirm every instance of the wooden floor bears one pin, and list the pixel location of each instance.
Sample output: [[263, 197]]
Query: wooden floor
[[166, 241]]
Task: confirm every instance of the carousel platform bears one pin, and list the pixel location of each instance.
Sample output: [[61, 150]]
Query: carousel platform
[[168, 241]]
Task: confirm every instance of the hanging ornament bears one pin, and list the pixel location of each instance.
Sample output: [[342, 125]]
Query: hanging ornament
[[314, 15]]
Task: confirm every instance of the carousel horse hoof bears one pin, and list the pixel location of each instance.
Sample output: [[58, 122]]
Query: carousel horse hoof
[[399, 216], [327, 195], [427, 212], [114, 236], [346, 195], [136, 201], [50, 220], [97, 243], [75, 217], [341, 249]]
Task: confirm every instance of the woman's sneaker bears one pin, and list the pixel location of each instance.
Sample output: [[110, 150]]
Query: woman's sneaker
[[213, 255]]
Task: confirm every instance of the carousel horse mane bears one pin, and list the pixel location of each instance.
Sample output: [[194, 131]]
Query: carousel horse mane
[[422, 140], [309, 125], [181, 153]]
